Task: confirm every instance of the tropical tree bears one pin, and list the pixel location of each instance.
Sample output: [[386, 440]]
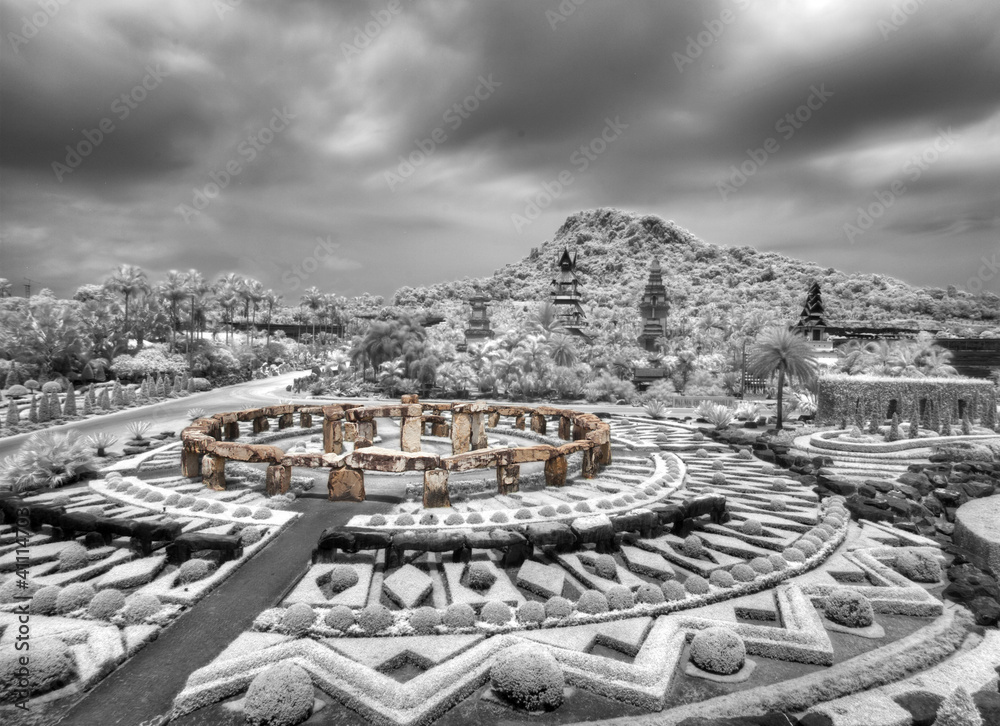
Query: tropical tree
[[254, 293], [269, 302], [173, 292], [312, 299], [197, 290], [130, 282], [782, 352], [5, 287]]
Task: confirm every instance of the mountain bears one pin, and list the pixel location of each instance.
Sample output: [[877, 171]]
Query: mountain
[[614, 249]]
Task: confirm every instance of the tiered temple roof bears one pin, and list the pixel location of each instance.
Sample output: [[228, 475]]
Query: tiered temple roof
[[567, 296], [653, 308]]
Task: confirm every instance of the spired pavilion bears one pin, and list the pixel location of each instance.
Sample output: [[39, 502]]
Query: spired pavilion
[[653, 309], [566, 296], [812, 323], [479, 322]]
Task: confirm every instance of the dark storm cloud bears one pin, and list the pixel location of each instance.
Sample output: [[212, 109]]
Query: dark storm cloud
[[366, 84]]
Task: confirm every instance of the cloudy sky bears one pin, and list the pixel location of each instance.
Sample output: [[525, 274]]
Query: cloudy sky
[[423, 141]]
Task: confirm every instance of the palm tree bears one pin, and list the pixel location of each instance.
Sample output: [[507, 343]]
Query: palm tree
[[128, 281], [173, 291], [254, 294], [563, 349], [785, 353], [312, 299], [270, 300], [196, 289], [937, 362]]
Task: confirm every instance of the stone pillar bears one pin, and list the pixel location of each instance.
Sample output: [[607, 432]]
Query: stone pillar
[[494, 419], [261, 424], [346, 485], [565, 428], [591, 467], [215, 429], [555, 472], [508, 478], [519, 421], [350, 432], [232, 430], [605, 454], [366, 430], [374, 425], [440, 429], [436, 488], [278, 479], [461, 432], [305, 420], [285, 420], [578, 432], [213, 472], [537, 423], [477, 435], [190, 461], [410, 428], [332, 436]]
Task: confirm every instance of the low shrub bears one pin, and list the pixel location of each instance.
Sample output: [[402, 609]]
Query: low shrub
[[405, 520], [250, 535], [605, 566], [73, 597], [745, 454], [778, 561], [480, 576], [185, 501], [649, 594], [343, 577], [43, 602], [547, 511], [918, 566], [718, 465], [375, 618], [620, 598], [721, 578], [297, 619], [429, 519], [564, 509], [281, 695], [751, 527], [592, 602], [743, 573], [693, 547], [474, 518], [696, 585], [530, 612], [194, 570], [762, 565], [849, 608], [454, 518], [806, 547], [496, 613], [200, 505], [106, 603], [959, 709], [425, 620], [673, 590], [459, 615], [262, 513], [558, 607], [339, 617], [73, 557], [793, 554], [376, 520], [139, 607], [718, 650], [528, 677], [213, 508], [523, 514], [701, 453], [51, 667], [582, 507]]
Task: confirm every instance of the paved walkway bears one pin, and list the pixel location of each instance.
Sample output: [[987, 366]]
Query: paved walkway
[[144, 687]]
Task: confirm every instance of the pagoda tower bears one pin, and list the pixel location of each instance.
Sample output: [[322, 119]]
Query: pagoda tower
[[479, 322], [812, 323], [653, 308], [566, 296]]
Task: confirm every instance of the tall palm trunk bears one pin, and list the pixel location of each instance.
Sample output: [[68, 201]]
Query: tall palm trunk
[[781, 386]]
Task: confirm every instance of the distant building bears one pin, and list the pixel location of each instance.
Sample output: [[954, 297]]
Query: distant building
[[479, 322], [812, 323], [566, 296], [653, 308]]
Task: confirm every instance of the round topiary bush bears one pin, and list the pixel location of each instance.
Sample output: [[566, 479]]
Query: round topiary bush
[[762, 565], [779, 485], [474, 518], [811, 539], [43, 602], [696, 585], [693, 547], [620, 598], [673, 590], [917, 566], [721, 578], [242, 511], [339, 617], [106, 603], [262, 513], [140, 606], [701, 453], [793, 554], [498, 517], [375, 618], [806, 546], [558, 607], [698, 436], [11, 592], [606, 567], [194, 570], [454, 518], [582, 507], [342, 577], [592, 602], [154, 497], [496, 613], [649, 594], [480, 576], [744, 454], [429, 519], [200, 505], [250, 535], [73, 557], [776, 505], [459, 615], [743, 573], [564, 509], [51, 666], [185, 501], [778, 561], [73, 597], [297, 619], [213, 508], [718, 465], [530, 612], [547, 511], [718, 479], [528, 677], [405, 520], [425, 620], [281, 695], [376, 520], [718, 650], [751, 527], [849, 608], [523, 514]]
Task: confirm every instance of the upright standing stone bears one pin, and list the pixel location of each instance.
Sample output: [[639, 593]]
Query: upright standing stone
[[477, 434], [278, 479], [285, 420], [261, 424], [508, 478], [565, 428], [213, 472], [346, 485], [410, 428], [519, 421], [190, 461], [494, 419], [579, 432], [461, 432], [436, 488], [366, 430], [332, 436], [232, 430], [537, 423], [305, 420], [555, 472], [440, 428], [591, 466], [350, 431]]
